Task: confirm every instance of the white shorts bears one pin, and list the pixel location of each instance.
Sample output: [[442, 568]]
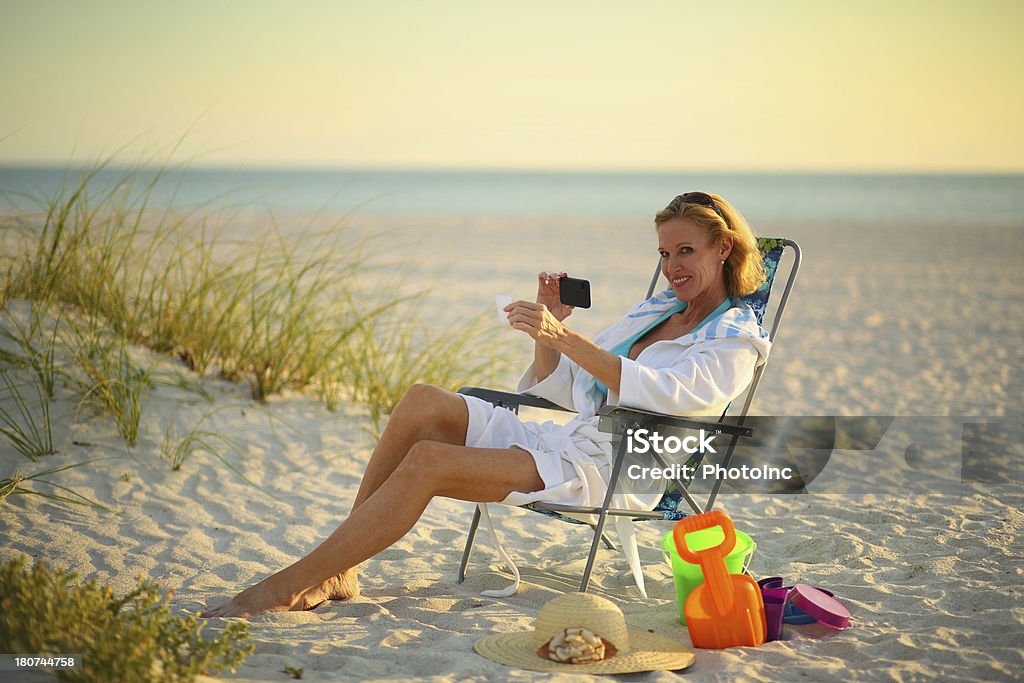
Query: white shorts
[[573, 460]]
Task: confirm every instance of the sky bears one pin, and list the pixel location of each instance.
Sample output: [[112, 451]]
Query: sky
[[893, 85]]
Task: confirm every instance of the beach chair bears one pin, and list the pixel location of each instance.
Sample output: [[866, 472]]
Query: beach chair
[[618, 420]]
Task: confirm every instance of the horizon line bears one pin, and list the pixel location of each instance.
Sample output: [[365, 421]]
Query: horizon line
[[496, 170]]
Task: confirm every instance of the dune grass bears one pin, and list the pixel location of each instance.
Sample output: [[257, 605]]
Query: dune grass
[[179, 447], [27, 365], [270, 310], [108, 379], [28, 346], [387, 357], [30, 436], [15, 486], [274, 310]]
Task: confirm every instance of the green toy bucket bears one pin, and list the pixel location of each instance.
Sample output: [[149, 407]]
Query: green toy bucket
[[688, 576]]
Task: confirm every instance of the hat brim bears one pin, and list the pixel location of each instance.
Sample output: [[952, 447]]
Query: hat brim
[[648, 652]]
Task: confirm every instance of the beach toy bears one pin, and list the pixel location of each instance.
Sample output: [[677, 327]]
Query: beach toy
[[726, 610], [816, 603], [688, 575], [775, 601], [791, 614]]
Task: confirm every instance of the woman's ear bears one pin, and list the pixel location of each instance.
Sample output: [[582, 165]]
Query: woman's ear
[[725, 247]]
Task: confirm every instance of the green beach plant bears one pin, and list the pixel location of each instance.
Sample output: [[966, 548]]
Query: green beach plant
[[31, 437], [108, 379], [31, 350], [176, 449], [105, 251], [173, 378], [15, 486], [386, 356], [264, 309], [298, 312], [273, 310], [132, 638], [34, 348], [196, 306], [81, 239]]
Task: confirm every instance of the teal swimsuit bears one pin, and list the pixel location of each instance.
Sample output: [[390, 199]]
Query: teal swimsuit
[[623, 347]]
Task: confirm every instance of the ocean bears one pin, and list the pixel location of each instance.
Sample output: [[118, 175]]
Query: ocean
[[765, 198]]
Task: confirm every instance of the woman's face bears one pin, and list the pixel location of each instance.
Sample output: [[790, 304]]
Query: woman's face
[[690, 261]]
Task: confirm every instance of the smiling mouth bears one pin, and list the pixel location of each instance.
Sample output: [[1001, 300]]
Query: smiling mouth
[[678, 281]]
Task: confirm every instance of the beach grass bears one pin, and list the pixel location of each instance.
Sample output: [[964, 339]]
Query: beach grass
[[180, 446], [108, 379], [388, 356], [14, 485], [29, 436], [296, 311], [27, 349], [31, 347], [275, 309]]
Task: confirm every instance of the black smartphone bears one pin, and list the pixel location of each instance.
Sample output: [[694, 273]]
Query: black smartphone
[[574, 292]]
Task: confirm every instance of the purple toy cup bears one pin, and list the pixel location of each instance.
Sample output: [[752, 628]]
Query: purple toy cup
[[774, 608]]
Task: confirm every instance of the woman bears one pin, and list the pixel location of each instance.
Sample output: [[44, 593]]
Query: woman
[[687, 351]]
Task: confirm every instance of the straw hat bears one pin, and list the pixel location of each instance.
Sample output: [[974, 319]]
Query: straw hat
[[626, 650]]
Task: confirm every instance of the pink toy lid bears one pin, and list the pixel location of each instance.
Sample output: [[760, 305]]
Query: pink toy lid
[[817, 604]]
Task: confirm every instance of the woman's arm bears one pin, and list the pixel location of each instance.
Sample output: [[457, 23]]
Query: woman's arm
[[545, 358], [553, 338]]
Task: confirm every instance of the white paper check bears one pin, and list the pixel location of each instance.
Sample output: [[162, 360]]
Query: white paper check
[[500, 302]]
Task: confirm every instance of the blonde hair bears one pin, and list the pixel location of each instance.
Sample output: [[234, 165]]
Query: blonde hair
[[744, 267]]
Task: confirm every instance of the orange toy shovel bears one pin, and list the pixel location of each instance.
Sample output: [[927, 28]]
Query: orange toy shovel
[[727, 609]]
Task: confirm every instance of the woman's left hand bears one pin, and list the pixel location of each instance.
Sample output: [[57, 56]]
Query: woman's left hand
[[537, 321]]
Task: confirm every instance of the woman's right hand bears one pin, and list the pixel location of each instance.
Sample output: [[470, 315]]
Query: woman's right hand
[[548, 294]]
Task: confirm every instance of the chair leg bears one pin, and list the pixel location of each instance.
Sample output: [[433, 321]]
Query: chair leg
[[607, 542], [598, 535], [726, 461], [620, 454], [469, 543]]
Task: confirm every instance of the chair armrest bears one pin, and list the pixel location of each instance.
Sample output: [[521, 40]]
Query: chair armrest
[[616, 420], [510, 400]]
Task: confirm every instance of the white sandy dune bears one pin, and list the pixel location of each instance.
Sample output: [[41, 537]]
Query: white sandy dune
[[926, 553]]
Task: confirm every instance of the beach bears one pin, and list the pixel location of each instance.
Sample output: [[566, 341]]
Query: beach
[[922, 322]]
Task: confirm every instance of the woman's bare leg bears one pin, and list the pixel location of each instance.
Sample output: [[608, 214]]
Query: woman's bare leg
[[429, 469], [386, 510], [424, 413]]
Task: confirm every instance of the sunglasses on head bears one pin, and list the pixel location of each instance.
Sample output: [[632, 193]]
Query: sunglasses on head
[[699, 198]]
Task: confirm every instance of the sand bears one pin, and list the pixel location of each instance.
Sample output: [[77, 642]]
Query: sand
[[924, 551]]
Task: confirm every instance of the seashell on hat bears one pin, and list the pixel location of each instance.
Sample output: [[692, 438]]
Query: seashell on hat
[[587, 629], [598, 615]]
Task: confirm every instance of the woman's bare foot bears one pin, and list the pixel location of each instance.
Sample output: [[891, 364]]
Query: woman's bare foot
[[257, 599], [261, 598], [341, 587]]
